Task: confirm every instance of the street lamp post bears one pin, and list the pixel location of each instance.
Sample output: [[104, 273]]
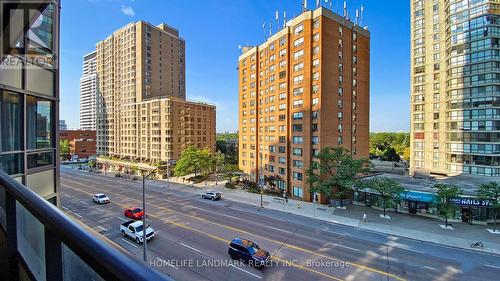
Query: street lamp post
[[261, 182], [145, 175]]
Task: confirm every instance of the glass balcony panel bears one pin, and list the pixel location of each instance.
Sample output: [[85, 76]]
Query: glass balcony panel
[[41, 183], [40, 80], [75, 269], [11, 71], [12, 164], [31, 241], [3, 218]]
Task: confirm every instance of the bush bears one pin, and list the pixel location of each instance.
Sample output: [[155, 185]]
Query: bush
[[229, 186], [197, 179], [118, 175], [134, 178], [274, 191]]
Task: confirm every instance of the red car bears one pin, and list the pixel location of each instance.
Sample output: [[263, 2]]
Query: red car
[[134, 213]]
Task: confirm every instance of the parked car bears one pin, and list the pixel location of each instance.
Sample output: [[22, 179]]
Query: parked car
[[134, 213], [100, 198], [246, 250], [212, 195], [134, 230]]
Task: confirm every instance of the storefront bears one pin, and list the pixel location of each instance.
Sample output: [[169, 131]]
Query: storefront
[[473, 209], [416, 202]]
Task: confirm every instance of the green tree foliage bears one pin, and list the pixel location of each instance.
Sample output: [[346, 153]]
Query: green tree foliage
[[445, 193], [380, 142], [388, 188], [390, 154], [491, 191], [229, 172], [64, 149], [193, 160], [225, 144], [338, 171]]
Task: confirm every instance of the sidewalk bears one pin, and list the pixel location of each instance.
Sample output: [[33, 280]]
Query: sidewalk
[[404, 225]]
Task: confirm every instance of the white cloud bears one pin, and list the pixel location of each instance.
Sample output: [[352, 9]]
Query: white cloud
[[127, 10]]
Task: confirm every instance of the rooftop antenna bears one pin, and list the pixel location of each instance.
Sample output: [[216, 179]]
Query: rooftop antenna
[[284, 19], [264, 29], [357, 17], [277, 21], [304, 6], [345, 9], [331, 5], [361, 15], [317, 4], [270, 29]]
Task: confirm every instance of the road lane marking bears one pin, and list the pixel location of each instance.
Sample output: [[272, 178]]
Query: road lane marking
[[83, 202], [102, 228], [64, 194], [122, 219], [493, 266], [297, 248], [187, 246], [279, 229], [78, 215], [130, 243], [429, 267], [66, 209], [167, 263], [306, 268], [345, 247], [254, 275]]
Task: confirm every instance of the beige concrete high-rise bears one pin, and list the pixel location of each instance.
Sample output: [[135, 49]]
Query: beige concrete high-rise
[[141, 77], [455, 113], [305, 88]]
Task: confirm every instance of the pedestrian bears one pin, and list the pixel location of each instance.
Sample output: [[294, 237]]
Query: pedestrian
[[365, 217]]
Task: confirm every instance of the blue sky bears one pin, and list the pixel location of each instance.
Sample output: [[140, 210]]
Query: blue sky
[[213, 29]]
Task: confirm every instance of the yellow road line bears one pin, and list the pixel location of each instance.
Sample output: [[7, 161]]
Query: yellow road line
[[255, 235]]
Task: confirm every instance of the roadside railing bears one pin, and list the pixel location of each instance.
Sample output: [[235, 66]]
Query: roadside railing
[[39, 242]]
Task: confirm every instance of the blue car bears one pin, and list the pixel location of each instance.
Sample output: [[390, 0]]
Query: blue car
[[248, 251]]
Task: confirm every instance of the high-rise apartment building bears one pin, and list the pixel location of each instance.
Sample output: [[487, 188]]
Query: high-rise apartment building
[[455, 112], [305, 88], [88, 93], [29, 95], [141, 90]]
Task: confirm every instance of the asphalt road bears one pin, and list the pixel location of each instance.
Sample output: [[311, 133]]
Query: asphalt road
[[192, 236]]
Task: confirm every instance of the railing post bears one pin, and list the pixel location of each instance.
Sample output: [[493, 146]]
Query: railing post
[[53, 256], [12, 262]]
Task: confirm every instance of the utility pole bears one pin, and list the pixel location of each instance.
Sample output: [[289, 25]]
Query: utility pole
[[144, 238], [261, 182]]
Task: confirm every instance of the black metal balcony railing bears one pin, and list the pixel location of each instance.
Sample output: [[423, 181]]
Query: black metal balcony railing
[[39, 242]]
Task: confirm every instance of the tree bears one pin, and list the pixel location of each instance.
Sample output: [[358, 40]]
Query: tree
[[388, 188], [192, 160], [407, 154], [445, 193], [221, 145], [63, 149], [491, 192], [390, 154], [338, 172], [229, 172]]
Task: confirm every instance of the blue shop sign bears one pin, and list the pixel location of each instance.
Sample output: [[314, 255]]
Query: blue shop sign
[[417, 196], [471, 202]]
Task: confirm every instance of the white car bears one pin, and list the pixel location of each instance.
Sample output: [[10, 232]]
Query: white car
[[100, 198]]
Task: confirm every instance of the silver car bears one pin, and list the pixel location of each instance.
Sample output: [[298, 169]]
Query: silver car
[[212, 195], [100, 198]]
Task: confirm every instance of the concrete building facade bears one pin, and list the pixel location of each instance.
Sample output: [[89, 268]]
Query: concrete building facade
[[142, 112], [82, 143], [305, 88], [455, 101], [88, 93]]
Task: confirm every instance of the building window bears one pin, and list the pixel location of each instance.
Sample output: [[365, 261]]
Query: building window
[[39, 123], [297, 151], [10, 121], [297, 140], [315, 140], [298, 29], [298, 164], [40, 159], [297, 192], [297, 176]]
